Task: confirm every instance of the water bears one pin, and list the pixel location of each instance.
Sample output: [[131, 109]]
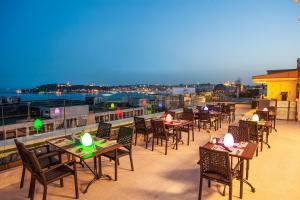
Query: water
[[75, 96]]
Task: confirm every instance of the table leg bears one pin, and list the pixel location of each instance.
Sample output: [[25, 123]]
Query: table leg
[[97, 174], [241, 178], [116, 165]]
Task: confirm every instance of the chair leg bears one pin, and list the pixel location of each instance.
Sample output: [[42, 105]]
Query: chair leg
[[135, 139], [188, 139], [75, 182], [247, 169], [22, 177], [230, 191], [131, 162], [153, 143], [45, 192], [200, 189], [193, 135], [166, 147], [147, 137], [61, 182], [31, 187], [209, 183]]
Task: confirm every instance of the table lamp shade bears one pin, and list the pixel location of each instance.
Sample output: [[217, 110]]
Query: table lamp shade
[[169, 118], [86, 139], [228, 140], [255, 118], [265, 109], [205, 108]]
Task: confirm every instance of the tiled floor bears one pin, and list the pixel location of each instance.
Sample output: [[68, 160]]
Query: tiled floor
[[275, 173]]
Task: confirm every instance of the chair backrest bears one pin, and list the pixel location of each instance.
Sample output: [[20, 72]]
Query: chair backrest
[[263, 115], [158, 128], [272, 109], [251, 126], [231, 107], [140, 125], [125, 137], [189, 116], [104, 130], [20, 147], [240, 134], [215, 162], [186, 109], [33, 164], [210, 106], [225, 109], [203, 115]]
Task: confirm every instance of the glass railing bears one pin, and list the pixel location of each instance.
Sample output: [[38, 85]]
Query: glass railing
[[37, 121]]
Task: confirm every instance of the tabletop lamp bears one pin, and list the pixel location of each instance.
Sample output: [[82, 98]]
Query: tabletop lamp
[[86, 140], [255, 118], [228, 140], [169, 118]]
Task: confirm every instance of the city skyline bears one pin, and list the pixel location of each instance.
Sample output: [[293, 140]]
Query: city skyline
[[129, 42]]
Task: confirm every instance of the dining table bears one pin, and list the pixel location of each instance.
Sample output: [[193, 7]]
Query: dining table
[[244, 151], [212, 113], [176, 125], [265, 127], [72, 146]]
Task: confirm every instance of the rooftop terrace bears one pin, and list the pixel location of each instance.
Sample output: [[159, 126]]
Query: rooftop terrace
[[274, 173]]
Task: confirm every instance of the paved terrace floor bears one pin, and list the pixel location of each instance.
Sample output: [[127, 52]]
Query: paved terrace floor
[[274, 173]]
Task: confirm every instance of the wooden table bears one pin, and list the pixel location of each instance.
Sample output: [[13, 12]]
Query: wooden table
[[212, 113], [265, 126], [247, 154], [76, 149], [176, 125]]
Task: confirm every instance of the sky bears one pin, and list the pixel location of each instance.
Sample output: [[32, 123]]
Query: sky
[[144, 41]]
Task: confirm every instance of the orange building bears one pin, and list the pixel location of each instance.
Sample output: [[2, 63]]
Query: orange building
[[282, 85]]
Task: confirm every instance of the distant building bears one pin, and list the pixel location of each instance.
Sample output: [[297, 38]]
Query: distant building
[[283, 86]]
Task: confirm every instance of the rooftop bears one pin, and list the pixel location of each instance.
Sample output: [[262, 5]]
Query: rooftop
[[287, 74], [274, 173]]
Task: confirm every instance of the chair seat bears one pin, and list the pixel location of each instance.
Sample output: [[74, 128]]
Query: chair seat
[[58, 173], [216, 177], [121, 152]]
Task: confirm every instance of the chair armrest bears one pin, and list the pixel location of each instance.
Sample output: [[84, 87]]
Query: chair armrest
[[59, 165], [46, 155], [39, 147]]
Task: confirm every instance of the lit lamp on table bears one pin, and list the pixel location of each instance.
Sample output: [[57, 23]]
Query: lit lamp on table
[[265, 109], [169, 118], [255, 118], [86, 140], [228, 140]]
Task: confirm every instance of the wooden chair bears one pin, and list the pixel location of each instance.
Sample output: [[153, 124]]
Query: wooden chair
[[47, 176], [240, 134], [226, 113], [161, 133], [189, 116], [205, 118], [142, 128], [215, 166], [254, 134], [46, 159], [104, 130], [125, 137]]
